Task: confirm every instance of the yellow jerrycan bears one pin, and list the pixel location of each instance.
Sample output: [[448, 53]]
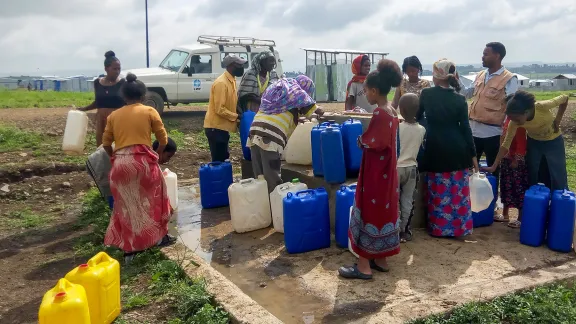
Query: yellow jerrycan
[[66, 303], [100, 277]]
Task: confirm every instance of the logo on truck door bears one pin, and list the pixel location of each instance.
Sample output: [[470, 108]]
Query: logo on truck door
[[197, 85]]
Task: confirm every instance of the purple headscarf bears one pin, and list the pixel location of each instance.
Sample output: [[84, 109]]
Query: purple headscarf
[[287, 94]]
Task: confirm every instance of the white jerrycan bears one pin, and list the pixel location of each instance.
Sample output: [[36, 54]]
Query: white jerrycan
[[299, 147], [171, 180], [481, 194], [249, 205], [74, 137], [277, 201]]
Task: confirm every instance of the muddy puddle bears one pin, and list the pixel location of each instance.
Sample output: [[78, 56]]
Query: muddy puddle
[[256, 262]]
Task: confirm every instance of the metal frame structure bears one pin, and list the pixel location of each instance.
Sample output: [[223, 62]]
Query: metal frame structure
[[323, 53], [236, 41]]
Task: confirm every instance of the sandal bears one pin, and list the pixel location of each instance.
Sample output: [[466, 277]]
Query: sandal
[[376, 267], [167, 240], [353, 273], [500, 218], [514, 224]]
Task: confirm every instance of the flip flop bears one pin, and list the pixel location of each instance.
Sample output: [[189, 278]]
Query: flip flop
[[500, 218], [376, 267], [353, 273], [514, 224]]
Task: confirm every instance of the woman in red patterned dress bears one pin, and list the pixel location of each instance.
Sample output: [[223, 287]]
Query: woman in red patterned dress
[[374, 227], [141, 205]]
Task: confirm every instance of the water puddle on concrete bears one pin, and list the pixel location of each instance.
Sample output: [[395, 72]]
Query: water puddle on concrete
[[256, 261]]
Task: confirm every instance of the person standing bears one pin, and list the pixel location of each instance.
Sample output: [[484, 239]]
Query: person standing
[[221, 117], [107, 94], [449, 154], [374, 227], [355, 94], [488, 108], [411, 136], [257, 79], [412, 68]]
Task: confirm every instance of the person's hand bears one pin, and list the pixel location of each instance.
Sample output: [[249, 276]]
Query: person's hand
[[514, 163], [359, 142], [556, 125], [457, 76], [319, 112], [239, 118]]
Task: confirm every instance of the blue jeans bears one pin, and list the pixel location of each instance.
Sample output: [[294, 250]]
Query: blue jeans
[[111, 202]]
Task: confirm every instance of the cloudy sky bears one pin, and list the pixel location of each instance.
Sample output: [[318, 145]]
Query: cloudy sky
[[55, 36]]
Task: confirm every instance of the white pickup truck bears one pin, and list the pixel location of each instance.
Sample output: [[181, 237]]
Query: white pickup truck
[[187, 73]]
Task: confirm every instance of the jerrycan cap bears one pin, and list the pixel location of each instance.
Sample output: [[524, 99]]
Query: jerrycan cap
[[482, 175], [83, 267], [59, 296], [295, 180]]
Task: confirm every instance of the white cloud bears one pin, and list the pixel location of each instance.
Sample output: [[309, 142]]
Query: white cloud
[[53, 36]]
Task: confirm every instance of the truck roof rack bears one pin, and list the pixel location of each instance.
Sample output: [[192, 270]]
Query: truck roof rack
[[235, 41]]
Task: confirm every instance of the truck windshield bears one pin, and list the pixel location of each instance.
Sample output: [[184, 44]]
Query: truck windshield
[[174, 60]]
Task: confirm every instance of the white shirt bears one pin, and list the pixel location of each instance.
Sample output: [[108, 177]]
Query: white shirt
[[481, 130], [411, 138]]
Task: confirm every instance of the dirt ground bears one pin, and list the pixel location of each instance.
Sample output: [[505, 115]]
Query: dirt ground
[[430, 275], [47, 189]]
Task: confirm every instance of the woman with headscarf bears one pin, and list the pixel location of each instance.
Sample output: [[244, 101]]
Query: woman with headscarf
[[448, 155], [107, 94], [412, 83], [282, 104], [355, 95], [255, 81]]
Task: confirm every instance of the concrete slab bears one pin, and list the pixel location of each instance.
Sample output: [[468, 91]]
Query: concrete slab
[[429, 275]]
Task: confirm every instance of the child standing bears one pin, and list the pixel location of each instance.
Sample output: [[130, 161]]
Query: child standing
[[513, 176], [374, 228], [411, 136]]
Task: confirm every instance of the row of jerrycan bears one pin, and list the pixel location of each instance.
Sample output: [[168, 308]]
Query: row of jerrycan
[[548, 217], [300, 213], [337, 144], [89, 294]]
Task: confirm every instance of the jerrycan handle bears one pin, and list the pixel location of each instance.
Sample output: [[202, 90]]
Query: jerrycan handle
[[246, 181], [284, 187], [214, 163], [100, 257], [352, 186], [301, 193]]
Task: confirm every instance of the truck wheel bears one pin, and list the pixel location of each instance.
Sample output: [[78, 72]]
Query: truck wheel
[[154, 100]]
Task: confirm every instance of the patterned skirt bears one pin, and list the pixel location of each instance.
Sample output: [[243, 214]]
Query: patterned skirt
[[513, 183], [141, 205], [449, 211]]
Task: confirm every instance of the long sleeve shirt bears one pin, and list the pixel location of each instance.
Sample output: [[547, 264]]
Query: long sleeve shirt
[[132, 125], [221, 112], [541, 127]]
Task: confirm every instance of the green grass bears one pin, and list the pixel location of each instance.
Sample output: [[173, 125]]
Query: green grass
[[150, 278], [547, 304], [24, 219], [44, 99], [546, 95], [14, 139]]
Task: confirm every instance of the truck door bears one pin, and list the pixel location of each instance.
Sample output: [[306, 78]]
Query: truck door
[[196, 79]]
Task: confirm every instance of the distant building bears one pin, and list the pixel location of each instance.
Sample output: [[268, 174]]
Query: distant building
[[8, 84], [565, 82]]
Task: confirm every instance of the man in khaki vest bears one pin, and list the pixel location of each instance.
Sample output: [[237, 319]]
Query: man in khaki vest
[[488, 93]]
